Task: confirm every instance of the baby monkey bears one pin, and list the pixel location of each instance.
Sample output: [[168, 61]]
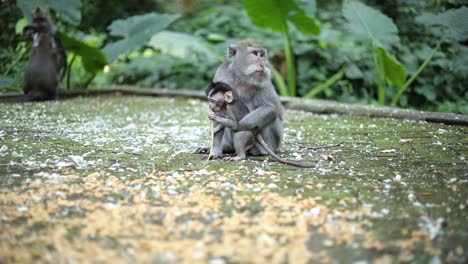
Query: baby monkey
[[228, 111]]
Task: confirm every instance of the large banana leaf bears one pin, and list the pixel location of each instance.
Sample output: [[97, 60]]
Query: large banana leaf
[[371, 24], [92, 57], [68, 10], [454, 23], [392, 69], [277, 14], [183, 45], [136, 31]]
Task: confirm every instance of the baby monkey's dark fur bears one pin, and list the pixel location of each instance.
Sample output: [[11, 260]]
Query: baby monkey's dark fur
[[227, 111]]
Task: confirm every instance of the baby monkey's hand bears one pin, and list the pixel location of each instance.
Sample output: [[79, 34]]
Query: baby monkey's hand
[[211, 116]]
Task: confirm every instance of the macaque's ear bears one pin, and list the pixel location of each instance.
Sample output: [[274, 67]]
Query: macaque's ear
[[228, 97], [231, 52]]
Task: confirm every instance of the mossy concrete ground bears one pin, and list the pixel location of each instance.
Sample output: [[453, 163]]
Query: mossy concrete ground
[[383, 189]]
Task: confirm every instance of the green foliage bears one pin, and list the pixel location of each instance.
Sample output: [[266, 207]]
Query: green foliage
[[162, 71], [406, 85], [453, 23], [370, 24], [455, 27], [93, 58], [6, 81], [323, 86], [20, 25], [136, 31], [394, 72], [379, 30], [69, 10], [276, 15], [183, 45], [27, 7], [427, 37], [98, 15]]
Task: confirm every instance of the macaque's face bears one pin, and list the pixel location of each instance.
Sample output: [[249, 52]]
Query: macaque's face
[[217, 102], [40, 20], [255, 61], [249, 62]]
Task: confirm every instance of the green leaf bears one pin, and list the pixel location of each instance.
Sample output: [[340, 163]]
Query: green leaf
[[427, 91], [6, 81], [136, 31], [370, 24], [309, 6], [327, 84], [459, 64], [453, 22], [279, 82], [183, 45], [27, 6], [394, 72], [92, 57], [276, 14], [20, 26], [68, 10]]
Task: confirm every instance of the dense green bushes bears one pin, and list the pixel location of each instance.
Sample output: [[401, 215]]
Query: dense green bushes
[[336, 64]]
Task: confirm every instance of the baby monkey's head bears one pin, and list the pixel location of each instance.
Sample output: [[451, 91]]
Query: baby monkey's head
[[219, 95]]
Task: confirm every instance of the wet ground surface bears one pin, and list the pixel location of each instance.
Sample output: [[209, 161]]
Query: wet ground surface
[[113, 179]]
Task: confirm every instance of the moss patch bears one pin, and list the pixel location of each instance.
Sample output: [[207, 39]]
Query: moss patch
[[115, 177]]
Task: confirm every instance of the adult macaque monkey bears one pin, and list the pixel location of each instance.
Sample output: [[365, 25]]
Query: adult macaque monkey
[[41, 81], [40, 23], [247, 70], [227, 110]]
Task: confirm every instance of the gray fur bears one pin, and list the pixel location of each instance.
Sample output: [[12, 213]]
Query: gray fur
[[41, 81], [228, 112], [41, 23], [257, 93]]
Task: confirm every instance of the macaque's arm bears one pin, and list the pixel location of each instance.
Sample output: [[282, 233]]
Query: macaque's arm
[[218, 128], [258, 118], [226, 122], [222, 121]]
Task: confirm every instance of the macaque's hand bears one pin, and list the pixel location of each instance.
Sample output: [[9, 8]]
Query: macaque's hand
[[213, 157], [219, 119], [202, 150], [211, 116]]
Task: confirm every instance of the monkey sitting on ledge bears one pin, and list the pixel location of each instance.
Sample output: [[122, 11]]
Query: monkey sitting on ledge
[[41, 23], [227, 111], [247, 70], [41, 80]]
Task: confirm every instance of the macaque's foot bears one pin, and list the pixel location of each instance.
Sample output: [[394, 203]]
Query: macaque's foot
[[236, 158], [212, 157], [201, 150], [257, 152]]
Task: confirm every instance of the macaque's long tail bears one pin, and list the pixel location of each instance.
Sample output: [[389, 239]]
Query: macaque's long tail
[[280, 159], [20, 98]]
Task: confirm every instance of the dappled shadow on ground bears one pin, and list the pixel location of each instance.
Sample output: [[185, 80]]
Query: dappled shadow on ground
[[113, 179]]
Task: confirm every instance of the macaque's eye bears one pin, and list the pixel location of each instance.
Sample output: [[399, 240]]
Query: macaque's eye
[[255, 53], [262, 54]]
